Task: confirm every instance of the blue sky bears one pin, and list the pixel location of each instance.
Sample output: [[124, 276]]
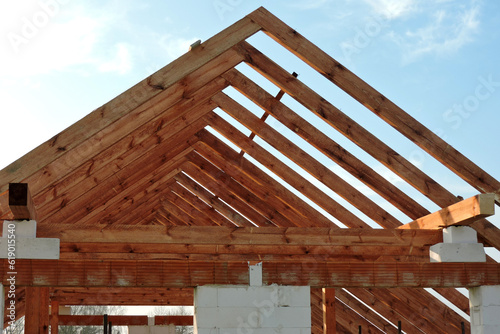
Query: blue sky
[[438, 60]]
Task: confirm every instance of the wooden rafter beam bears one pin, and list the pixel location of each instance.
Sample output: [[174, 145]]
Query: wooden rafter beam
[[21, 202], [376, 102], [464, 212], [187, 273]]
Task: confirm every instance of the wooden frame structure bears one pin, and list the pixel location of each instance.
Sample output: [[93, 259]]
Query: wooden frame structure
[[150, 198]]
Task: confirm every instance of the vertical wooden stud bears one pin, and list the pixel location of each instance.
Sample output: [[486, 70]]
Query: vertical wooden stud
[[329, 320]]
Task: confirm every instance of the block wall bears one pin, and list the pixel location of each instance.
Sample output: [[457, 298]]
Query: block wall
[[252, 310]]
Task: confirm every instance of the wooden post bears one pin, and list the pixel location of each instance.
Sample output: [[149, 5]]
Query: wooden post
[[44, 310], [54, 320], [20, 202], [329, 320], [32, 315], [105, 323]]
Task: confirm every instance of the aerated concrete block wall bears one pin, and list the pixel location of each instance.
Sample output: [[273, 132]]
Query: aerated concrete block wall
[[252, 309]]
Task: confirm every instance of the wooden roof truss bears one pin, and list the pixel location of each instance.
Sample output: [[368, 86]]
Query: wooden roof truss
[[172, 156]]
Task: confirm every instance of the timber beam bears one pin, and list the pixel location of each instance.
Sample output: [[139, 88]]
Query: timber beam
[[122, 296], [221, 235], [187, 273], [124, 320], [20, 202], [464, 212]]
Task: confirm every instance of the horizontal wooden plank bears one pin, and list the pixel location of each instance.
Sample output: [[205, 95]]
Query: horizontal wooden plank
[[222, 235], [464, 212], [205, 252], [124, 320], [187, 273], [122, 296], [97, 320]]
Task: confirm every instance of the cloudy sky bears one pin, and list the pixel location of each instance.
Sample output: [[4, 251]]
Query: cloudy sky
[[437, 59]]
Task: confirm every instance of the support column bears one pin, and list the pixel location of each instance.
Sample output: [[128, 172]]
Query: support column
[[32, 315], [2, 303], [37, 310], [460, 245], [54, 319], [43, 325], [329, 319], [485, 309]]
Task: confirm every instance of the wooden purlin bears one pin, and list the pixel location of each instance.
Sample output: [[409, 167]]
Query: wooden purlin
[[376, 102]]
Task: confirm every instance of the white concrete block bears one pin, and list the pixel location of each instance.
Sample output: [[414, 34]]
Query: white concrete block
[[22, 228], [255, 272], [459, 234], [247, 296], [484, 295], [170, 329], [205, 296], [485, 309], [31, 248], [138, 330], [457, 252], [294, 296]]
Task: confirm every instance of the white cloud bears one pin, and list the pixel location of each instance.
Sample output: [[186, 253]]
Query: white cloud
[[305, 5], [122, 61], [392, 9], [447, 32], [175, 46]]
